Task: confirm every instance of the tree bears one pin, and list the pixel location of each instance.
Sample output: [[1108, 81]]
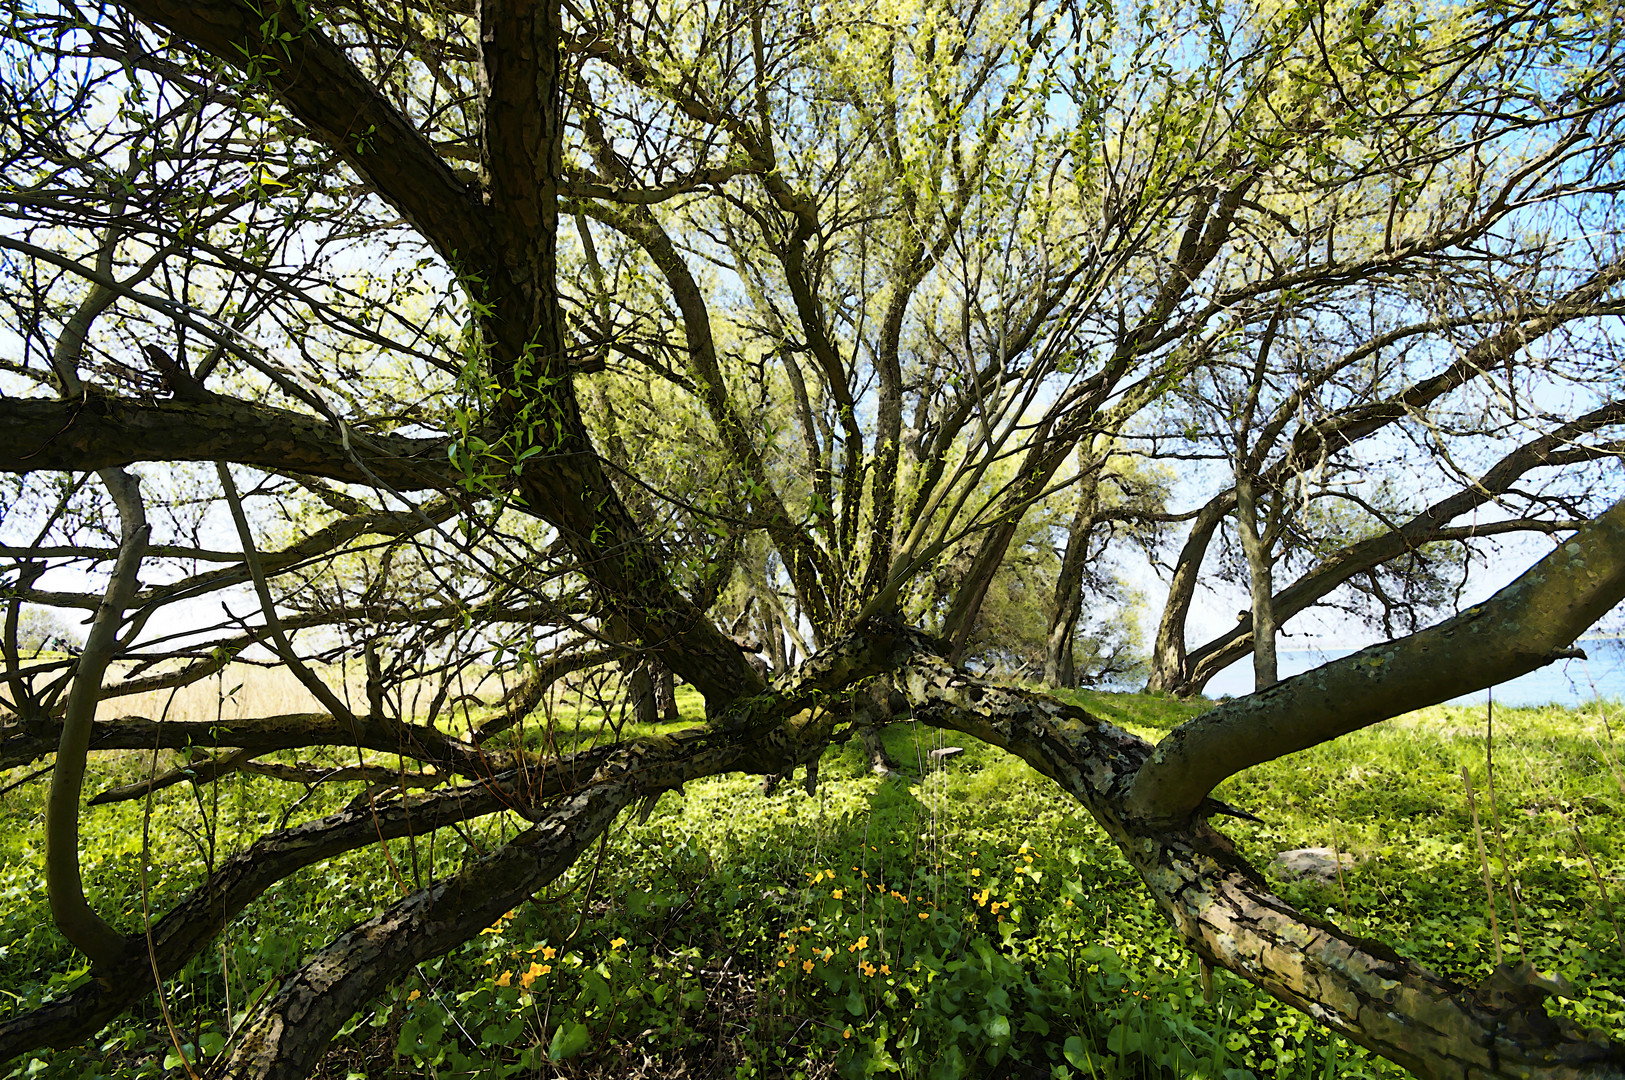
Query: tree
[[884, 270], [1114, 498], [38, 631]]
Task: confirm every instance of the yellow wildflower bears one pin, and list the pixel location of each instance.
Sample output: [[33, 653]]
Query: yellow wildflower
[[414, 995], [863, 942], [806, 965], [534, 972], [837, 894], [505, 978], [617, 943]]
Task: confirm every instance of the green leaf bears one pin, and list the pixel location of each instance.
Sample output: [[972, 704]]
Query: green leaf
[[1076, 1052], [569, 1039]]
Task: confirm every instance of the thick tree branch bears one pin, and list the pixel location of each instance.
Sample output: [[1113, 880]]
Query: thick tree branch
[[26, 741], [98, 431], [1220, 905], [73, 915], [277, 44], [288, 1034], [1517, 630], [189, 927], [1429, 526]]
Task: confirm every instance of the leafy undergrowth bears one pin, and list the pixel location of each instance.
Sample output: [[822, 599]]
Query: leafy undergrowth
[[965, 920]]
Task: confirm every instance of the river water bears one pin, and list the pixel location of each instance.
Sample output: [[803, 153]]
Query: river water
[[1567, 682]]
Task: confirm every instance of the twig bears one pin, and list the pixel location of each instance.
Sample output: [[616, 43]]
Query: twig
[[1484, 863], [1337, 861], [1495, 817], [1602, 890], [146, 906], [256, 571], [35, 775]]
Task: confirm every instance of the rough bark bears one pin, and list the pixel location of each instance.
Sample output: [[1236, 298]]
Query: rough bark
[[1219, 904], [666, 693], [641, 690], [1221, 907], [770, 735], [286, 1036], [193, 923]]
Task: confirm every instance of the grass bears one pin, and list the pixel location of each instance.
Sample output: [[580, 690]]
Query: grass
[[966, 921]]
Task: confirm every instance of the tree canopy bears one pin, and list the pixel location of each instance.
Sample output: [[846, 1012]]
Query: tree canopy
[[797, 352]]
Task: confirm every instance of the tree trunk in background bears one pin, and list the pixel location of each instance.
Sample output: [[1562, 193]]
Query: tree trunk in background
[[1168, 667], [1261, 582], [1060, 662], [666, 692], [641, 689]]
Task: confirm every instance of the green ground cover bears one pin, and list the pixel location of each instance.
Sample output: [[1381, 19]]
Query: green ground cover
[[962, 921]]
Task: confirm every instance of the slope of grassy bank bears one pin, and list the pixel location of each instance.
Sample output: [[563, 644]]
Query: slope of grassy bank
[[962, 921]]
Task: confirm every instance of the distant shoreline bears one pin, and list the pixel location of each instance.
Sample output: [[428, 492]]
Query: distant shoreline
[[1570, 683], [1357, 648]]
